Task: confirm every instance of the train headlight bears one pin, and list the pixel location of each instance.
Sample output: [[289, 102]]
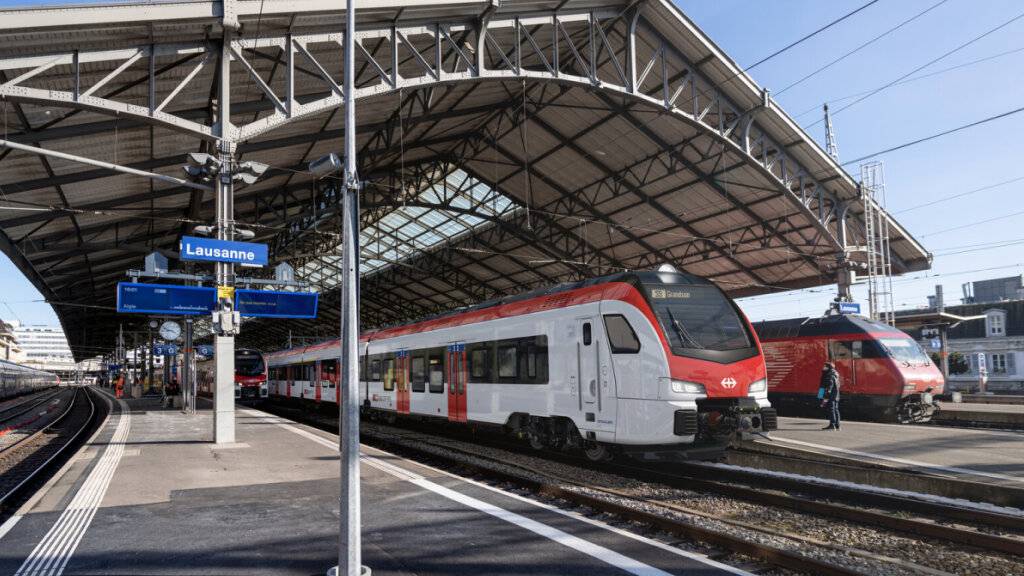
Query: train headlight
[[684, 387], [758, 386]]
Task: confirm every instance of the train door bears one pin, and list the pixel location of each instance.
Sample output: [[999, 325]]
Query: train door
[[402, 382], [841, 353], [288, 381], [317, 381], [457, 377], [588, 361]]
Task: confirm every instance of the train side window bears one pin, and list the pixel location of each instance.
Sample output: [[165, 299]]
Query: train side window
[[328, 373], [840, 350], [871, 349], [418, 374], [588, 337], [621, 336], [389, 373], [507, 361], [435, 370], [480, 362], [375, 370], [533, 360]]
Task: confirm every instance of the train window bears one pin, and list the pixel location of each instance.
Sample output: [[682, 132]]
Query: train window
[[839, 350], [507, 361], [389, 373], [418, 374], [435, 371], [621, 336], [533, 360], [375, 370], [587, 334], [480, 362], [328, 373]]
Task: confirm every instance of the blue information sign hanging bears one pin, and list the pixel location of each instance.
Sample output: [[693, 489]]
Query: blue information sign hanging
[[274, 304], [849, 308], [141, 298], [213, 250]]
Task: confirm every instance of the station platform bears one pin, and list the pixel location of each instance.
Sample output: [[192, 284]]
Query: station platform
[[983, 455], [977, 413], [151, 495]]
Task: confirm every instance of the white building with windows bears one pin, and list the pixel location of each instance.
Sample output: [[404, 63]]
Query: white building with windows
[[43, 347], [998, 337], [10, 349]]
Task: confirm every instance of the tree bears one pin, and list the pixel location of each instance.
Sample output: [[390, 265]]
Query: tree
[[957, 362]]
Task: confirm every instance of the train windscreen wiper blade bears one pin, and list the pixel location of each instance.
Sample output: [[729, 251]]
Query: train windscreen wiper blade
[[683, 334]]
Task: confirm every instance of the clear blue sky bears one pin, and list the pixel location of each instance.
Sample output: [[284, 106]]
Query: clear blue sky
[[972, 159]]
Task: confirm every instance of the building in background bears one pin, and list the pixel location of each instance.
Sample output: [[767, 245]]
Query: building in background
[[44, 347], [998, 335], [10, 349]]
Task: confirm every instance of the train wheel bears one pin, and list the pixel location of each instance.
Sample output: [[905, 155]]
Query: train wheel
[[597, 452], [536, 442]]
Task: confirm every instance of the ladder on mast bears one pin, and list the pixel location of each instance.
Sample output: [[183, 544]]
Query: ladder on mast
[[876, 232]]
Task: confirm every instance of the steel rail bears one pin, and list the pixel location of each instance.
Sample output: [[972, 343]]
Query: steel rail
[[695, 479], [60, 450], [71, 404], [33, 401]]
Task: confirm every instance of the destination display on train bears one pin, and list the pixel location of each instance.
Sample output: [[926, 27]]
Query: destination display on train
[[139, 298], [275, 304]]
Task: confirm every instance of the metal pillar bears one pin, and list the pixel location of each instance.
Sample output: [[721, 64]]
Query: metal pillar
[[149, 356], [940, 306], [186, 368], [349, 538], [224, 341]]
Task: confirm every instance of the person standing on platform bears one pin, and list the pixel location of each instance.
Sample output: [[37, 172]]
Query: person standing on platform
[[828, 391]]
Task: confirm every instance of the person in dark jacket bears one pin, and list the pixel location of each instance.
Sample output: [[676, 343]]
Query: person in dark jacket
[[829, 394]]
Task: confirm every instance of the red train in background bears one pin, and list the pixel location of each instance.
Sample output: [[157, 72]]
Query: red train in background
[[885, 374], [250, 376]]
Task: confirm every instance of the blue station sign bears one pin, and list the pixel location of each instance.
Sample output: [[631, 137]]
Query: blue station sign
[[213, 250], [204, 350], [274, 304], [849, 308], [165, 349], [140, 298]]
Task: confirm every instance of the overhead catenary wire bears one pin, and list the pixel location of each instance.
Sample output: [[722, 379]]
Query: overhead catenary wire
[[817, 108], [934, 136], [860, 47], [944, 55]]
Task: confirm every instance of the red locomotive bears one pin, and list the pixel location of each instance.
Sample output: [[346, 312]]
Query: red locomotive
[[250, 376], [885, 373]]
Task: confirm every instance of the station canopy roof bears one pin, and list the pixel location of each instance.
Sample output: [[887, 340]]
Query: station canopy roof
[[503, 146]]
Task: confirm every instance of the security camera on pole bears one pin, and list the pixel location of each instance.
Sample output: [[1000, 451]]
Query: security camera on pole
[[223, 172]]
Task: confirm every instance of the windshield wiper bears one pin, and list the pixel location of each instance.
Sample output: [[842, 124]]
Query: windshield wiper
[[683, 334]]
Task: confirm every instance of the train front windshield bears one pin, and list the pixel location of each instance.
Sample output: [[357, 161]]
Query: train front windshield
[[904, 350], [695, 318], [249, 364]]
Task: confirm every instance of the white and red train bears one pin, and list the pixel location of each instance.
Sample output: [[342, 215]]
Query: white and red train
[[884, 373], [658, 364], [250, 376]]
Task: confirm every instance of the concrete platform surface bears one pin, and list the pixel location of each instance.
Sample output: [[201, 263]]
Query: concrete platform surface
[[971, 454], [150, 495], [979, 407]]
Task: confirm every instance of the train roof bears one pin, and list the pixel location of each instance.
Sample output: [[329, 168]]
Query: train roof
[[821, 326], [633, 277], [7, 365]]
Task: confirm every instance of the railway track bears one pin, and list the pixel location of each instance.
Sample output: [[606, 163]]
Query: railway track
[[25, 463], [930, 520], [28, 404]]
